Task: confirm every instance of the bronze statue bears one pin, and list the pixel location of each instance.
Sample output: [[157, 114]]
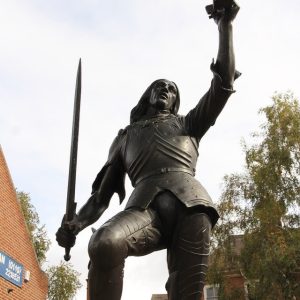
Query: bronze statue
[[168, 209]]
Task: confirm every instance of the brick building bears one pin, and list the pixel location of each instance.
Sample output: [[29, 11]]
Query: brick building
[[20, 275], [235, 281]]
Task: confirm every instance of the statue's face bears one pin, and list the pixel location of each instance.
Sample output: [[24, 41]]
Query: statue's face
[[163, 95]]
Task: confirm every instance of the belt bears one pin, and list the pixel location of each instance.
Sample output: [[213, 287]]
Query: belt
[[163, 171]]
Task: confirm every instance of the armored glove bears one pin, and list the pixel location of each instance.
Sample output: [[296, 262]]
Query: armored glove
[[66, 233]]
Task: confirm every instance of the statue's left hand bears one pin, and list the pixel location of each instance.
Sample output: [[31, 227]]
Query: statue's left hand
[[226, 14], [231, 12]]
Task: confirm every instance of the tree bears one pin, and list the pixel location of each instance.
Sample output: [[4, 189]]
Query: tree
[[37, 232], [263, 203], [63, 282]]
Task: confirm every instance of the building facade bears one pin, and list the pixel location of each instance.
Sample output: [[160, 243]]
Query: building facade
[[20, 275]]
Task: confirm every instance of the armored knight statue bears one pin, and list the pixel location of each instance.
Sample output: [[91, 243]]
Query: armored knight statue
[[168, 208]]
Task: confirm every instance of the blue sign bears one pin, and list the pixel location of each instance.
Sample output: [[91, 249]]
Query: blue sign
[[10, 269]]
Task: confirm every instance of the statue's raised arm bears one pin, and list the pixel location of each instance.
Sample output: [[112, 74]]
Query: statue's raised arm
[[225, 60], [204, 115]]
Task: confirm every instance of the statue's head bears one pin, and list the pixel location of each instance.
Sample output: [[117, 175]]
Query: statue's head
[[162, 95]]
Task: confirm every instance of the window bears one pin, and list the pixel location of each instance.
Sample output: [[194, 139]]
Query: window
[[211, 292]]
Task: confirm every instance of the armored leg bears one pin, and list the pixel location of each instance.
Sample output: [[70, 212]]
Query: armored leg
[[131, 232], [188, 256]]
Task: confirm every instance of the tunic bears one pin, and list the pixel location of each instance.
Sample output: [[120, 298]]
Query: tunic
[[160, 154]]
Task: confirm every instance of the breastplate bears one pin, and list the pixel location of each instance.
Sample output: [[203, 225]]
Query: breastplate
[[159, 146]]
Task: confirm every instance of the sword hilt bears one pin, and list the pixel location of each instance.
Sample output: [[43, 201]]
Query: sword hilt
[[69, 217]]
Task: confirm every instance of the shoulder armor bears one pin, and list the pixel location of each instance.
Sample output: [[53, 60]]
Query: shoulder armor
[[122, 131]]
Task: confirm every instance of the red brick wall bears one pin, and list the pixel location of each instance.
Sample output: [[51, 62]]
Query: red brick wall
[[15, 242], [233, 283]]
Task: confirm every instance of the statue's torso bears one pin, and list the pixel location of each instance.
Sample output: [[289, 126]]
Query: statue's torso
[[157, 146], [159, 156]]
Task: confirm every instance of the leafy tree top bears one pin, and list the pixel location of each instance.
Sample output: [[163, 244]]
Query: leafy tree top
[[263, 204], [37, 232], [63, 282]]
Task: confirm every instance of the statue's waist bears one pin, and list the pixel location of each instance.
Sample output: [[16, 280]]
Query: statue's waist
[[146, 175]]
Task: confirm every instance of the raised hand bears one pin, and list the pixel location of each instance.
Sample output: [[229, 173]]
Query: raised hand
[[223, 10]]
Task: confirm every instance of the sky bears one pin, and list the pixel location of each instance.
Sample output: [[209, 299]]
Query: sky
[[124, 46]]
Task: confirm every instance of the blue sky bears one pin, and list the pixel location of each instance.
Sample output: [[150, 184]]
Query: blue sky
[[124, 46]]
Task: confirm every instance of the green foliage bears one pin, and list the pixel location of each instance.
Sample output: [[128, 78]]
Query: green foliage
[[263, 203], [63, 282], [37, 232]]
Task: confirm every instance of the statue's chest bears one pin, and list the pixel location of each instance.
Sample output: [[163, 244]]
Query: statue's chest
[[158, 143], [149, 133]]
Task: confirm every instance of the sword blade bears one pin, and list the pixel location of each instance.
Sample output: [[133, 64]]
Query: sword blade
[[71, 204]]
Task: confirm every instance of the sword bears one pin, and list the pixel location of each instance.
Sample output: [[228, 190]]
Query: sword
[[71, 204]]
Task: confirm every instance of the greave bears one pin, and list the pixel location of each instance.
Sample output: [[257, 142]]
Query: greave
[[188, 258]]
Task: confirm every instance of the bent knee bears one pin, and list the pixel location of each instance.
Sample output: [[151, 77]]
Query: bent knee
[[107, 248], [197, 224], [194, 233]]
